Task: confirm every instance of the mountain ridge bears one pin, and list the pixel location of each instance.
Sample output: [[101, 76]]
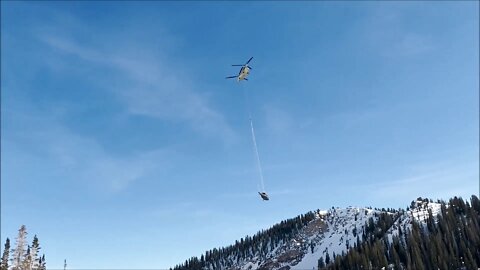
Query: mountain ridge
[[317, 239]]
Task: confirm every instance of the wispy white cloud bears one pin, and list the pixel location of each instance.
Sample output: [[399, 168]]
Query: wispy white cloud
[[39, 145], [154, 88]]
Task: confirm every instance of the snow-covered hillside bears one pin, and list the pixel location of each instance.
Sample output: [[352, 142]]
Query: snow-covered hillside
[[333, 232], [419, 212], [342, 229], [383, 239], [301, 242]]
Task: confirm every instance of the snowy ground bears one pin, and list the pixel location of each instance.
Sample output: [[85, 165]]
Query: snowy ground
[[341, 223]]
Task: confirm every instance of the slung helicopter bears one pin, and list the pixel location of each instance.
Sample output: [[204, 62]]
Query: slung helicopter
[[264, 196], [244, 71]]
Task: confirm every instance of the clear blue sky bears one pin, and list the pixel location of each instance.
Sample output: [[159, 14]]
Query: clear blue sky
[[123, 146]]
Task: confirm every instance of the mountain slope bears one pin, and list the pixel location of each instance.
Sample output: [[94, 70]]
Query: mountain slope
[[351, 238], [423, 240]]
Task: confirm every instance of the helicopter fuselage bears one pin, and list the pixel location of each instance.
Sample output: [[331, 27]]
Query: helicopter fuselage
[[244, 71]]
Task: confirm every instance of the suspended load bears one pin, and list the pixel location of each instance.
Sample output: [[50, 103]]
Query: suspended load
[[264, 196]]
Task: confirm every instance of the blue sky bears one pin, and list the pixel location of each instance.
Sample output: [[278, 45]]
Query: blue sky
[[123, 146]]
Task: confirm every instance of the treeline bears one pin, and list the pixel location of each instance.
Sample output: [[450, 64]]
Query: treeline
[[449, 241], [259, 245], [23, 256]]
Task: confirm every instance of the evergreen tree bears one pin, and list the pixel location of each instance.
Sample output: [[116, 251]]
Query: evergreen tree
[[6, 254], [27, 261], [475, 202], [327, 258], [42, 263], [321, 263], [34, 260], [18, 252]]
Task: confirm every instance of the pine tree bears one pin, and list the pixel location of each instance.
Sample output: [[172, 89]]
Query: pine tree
[[6, 254], [475, 202], [321, 263], [18, 252], [27, 261], [34, 260], [43, 265], [327, 258]]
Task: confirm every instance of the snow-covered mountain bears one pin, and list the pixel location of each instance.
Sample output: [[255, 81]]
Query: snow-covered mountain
[[332, 232], [419, 212], [342, 226], [318, 237]]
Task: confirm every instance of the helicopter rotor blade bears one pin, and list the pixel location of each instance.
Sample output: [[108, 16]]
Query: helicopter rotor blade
[[249, 60], [249, 67], [231, 77], [237, 65]]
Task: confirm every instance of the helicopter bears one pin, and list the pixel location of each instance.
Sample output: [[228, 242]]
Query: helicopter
[[244, 71], [264, 196]]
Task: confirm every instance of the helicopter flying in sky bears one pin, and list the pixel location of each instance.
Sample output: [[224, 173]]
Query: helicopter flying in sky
[[242, 75], [244, 71]]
